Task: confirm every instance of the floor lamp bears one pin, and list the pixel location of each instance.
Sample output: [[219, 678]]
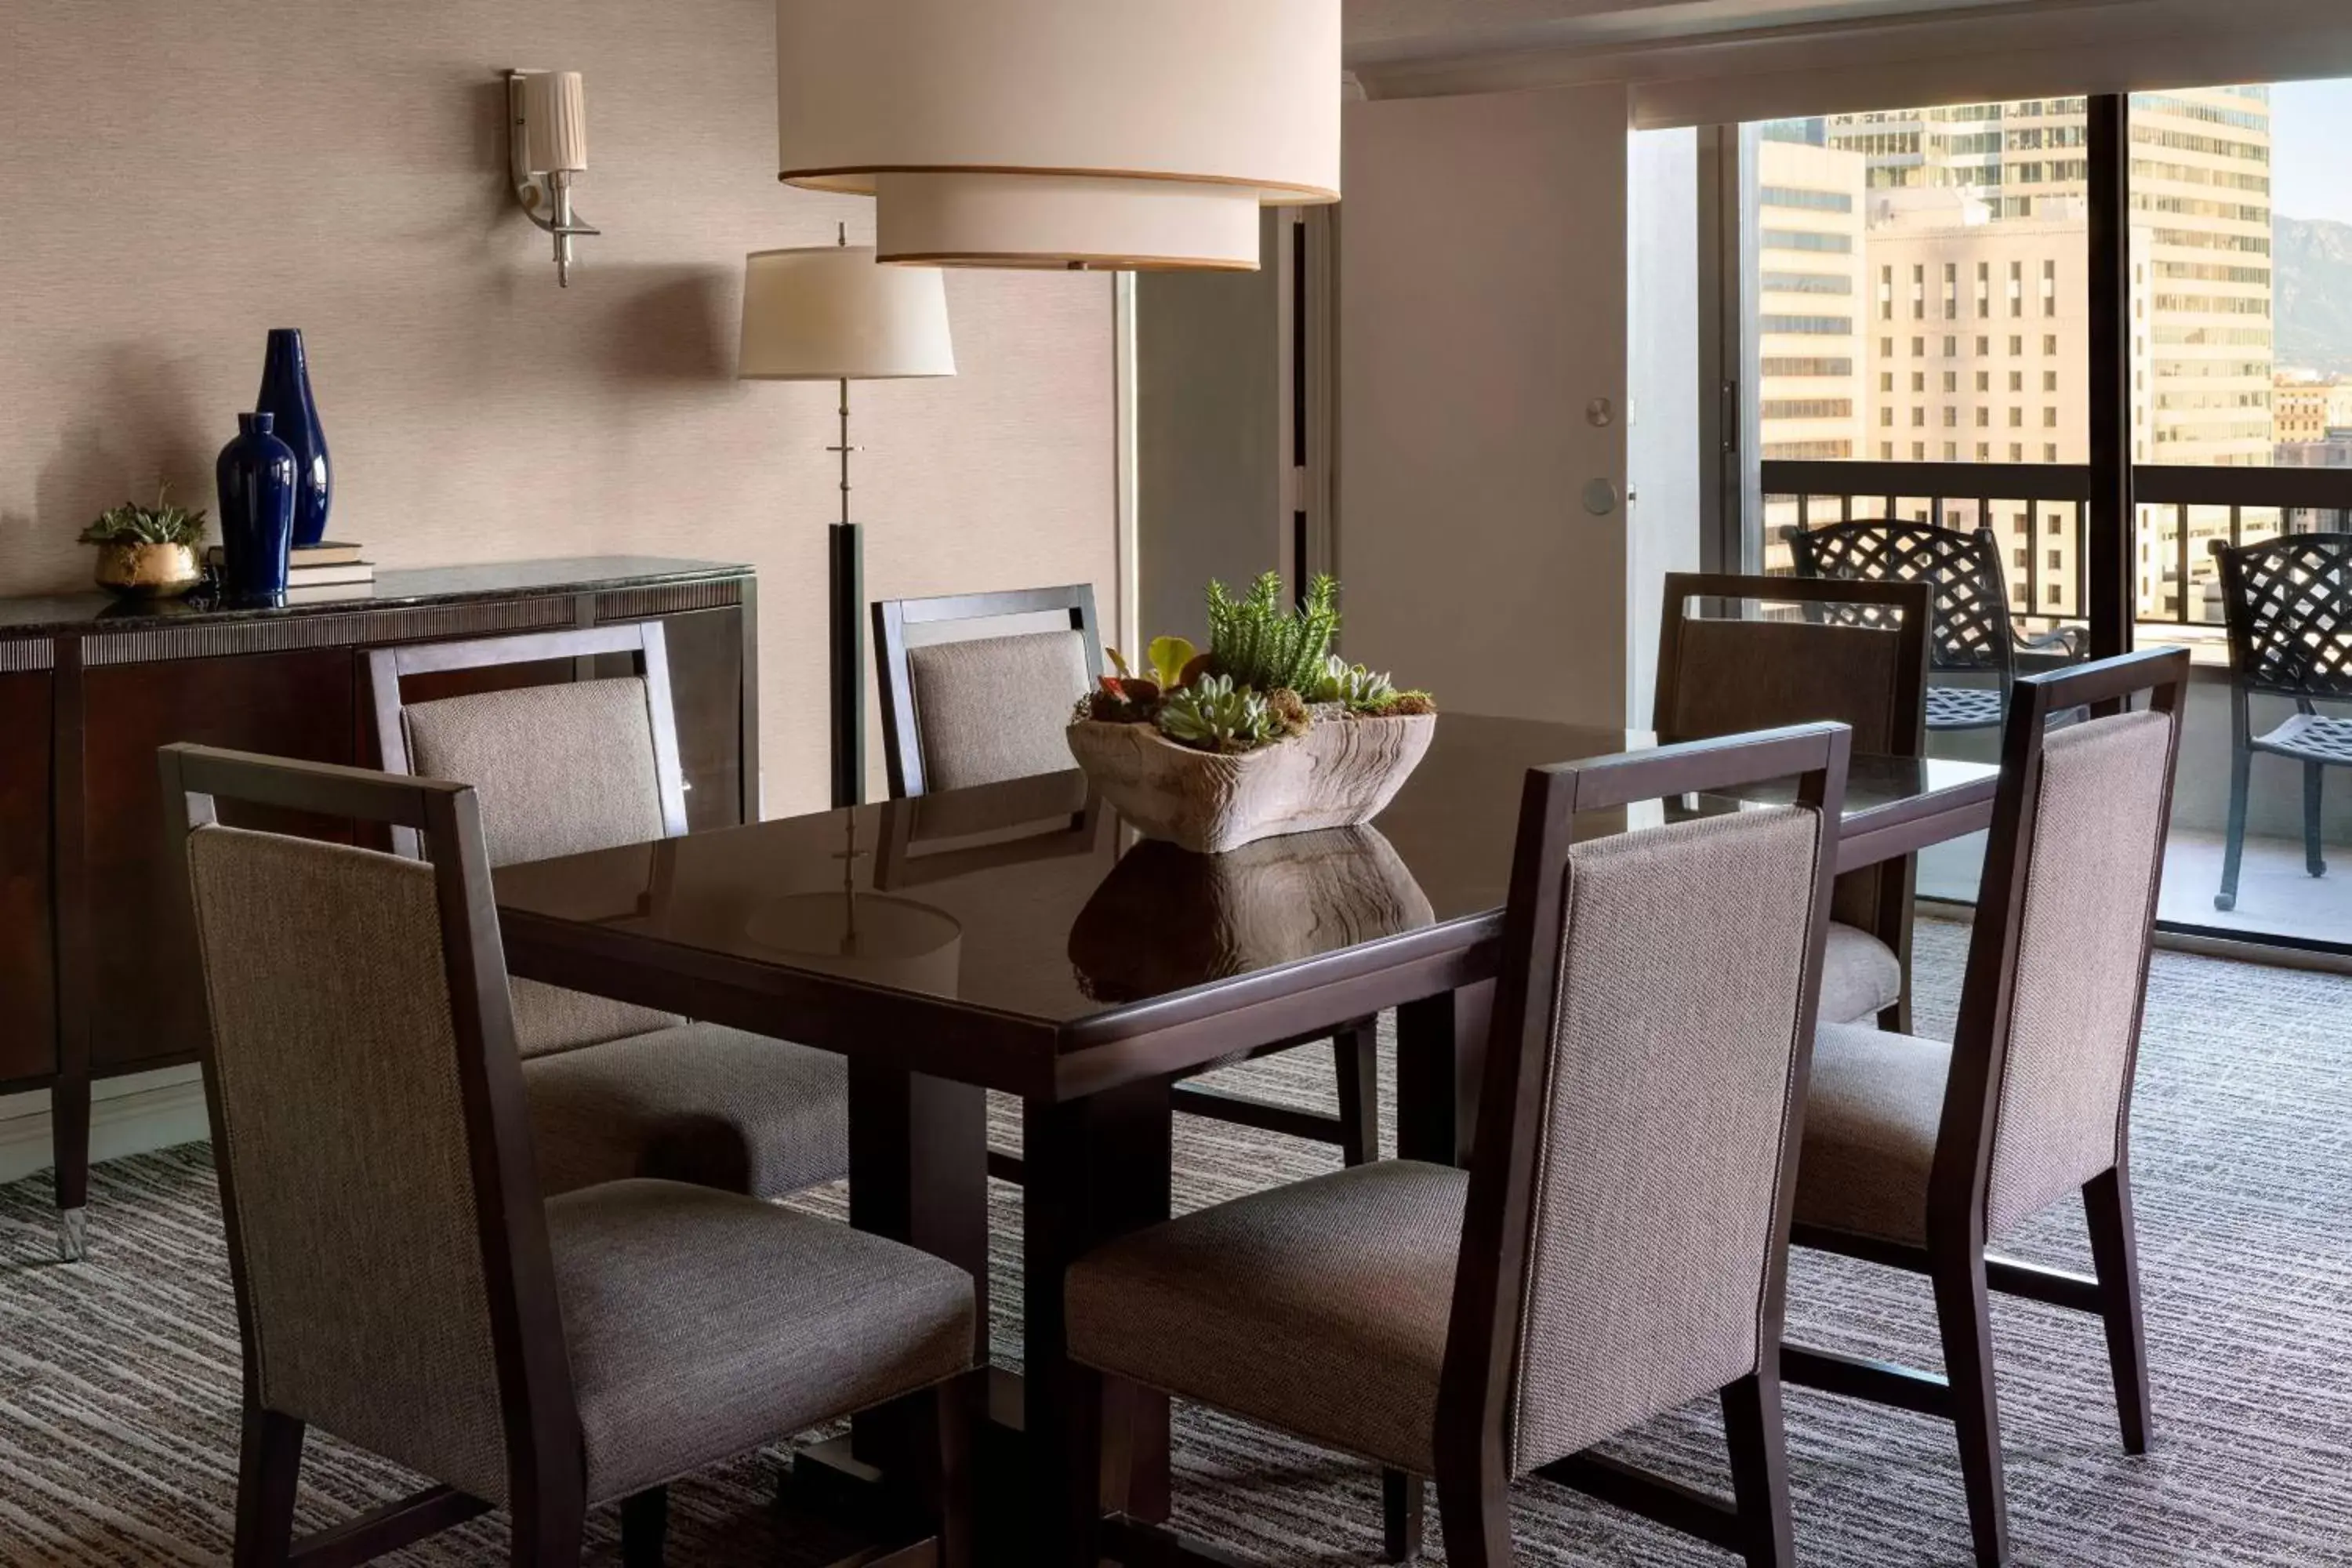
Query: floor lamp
[[833, 313]]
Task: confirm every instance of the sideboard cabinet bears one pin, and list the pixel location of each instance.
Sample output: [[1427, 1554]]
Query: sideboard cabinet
[[92, 957]]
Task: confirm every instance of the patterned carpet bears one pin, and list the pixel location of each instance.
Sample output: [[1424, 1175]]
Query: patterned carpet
[[118, 1377]]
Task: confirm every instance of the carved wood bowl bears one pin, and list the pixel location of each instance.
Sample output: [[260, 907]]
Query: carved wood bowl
[[1341, 773]]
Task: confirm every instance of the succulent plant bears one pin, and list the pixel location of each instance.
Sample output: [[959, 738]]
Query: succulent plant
[[162, 523], [1119, 699], [1169, 658], [1353, 685], [1213, 714], [1289, 709], [1256, 643]]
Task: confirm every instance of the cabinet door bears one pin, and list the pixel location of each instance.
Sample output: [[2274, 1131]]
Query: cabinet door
[[28, 1016], [144, 1006]]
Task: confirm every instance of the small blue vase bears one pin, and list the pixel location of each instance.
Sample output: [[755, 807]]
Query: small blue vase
[[285, 396], [256, 476]]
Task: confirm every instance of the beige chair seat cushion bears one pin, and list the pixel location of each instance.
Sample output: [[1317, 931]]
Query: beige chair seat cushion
[[1861, 977], [1871, 1113], [1321, 1308], [698, 1104], [704, 1323]]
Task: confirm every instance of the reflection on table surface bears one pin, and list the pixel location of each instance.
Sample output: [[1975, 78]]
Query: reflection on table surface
[[1031, 898]]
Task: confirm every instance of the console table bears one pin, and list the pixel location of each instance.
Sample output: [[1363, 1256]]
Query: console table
[[91, 949]]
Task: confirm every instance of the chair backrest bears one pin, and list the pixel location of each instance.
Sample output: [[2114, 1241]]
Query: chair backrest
[[983, 709], [386, 1239], [2289, 608], [561, 769], [2039, 1099], [1858, 659], [1971, 628], [1625, 1243]]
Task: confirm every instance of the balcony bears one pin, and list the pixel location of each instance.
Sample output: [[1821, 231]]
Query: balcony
[[2039, 514]]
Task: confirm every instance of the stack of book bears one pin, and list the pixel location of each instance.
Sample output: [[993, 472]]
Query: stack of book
[[326, 570]]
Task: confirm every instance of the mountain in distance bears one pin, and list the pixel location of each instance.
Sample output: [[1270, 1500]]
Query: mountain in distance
[[2312, 261]]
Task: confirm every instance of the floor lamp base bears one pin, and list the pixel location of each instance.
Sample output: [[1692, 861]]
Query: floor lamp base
[[846, 633]]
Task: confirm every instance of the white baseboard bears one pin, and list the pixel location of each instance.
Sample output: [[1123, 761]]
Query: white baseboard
[[128, 1115]]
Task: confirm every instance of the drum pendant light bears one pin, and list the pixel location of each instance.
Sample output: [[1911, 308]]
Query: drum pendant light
[[1137, 134]]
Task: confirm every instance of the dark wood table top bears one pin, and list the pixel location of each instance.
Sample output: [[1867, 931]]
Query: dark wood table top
[[1020, 936]]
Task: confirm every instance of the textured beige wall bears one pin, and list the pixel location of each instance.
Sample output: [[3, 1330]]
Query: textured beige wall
[[175, 179]]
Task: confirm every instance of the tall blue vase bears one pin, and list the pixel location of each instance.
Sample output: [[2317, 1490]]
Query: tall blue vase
[[286, 397], [256, 476]]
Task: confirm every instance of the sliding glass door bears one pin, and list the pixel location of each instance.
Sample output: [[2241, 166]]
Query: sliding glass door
[[1931, 296]]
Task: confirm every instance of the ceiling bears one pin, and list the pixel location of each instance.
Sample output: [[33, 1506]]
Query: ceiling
[[1384, 32]]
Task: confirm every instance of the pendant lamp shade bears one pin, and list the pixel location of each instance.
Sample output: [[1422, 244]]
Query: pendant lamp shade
[[1116, 133], [829, 313]]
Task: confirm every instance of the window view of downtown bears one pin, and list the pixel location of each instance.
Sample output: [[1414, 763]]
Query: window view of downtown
[[1920, 295]]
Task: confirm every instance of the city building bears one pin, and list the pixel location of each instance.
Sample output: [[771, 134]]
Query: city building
[[1974, 247], [2305, 408], [1810, 300], [1979, 339]]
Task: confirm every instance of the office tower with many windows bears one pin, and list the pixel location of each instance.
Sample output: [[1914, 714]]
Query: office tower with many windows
[[1974, 251], [1810, 300]]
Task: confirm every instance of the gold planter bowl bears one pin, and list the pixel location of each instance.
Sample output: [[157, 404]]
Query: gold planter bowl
[[148, 571]]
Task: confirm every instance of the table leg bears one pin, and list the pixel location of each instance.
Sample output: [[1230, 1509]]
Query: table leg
[[918, 1173], [1441, 1056], [1097, 1168]]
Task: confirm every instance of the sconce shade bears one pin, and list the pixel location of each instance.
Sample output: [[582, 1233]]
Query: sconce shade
[[555, 114], [831, 314], [1127, 134]]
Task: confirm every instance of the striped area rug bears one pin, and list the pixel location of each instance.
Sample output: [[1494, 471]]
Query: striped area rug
[[118, 1378]]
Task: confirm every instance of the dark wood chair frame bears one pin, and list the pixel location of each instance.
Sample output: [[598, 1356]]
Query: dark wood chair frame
[[1475, 1394], [1955, 1258], [2276, 649], [1972, 630], [546, 1469], [1878, 900], [1356, 1049], [643, 641]]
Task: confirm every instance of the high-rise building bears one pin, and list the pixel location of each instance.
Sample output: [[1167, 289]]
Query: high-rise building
[[1808, 301], [1980, 335], [1809, 309], [1980, 208]]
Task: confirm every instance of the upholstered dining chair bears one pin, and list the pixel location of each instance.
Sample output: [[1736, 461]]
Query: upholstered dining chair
[[1863, 664], [1618, 1247], [1974, 633], [1919, 1154], [588, 763], [967, 711], [401, 1280]]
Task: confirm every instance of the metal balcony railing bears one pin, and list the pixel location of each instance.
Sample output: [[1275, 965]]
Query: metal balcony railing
[[2178, 509]]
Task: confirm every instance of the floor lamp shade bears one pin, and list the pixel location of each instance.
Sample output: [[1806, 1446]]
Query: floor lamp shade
[[831, 314], [1117, 134]]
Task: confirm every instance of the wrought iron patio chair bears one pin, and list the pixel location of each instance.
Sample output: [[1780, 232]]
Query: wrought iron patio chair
[[1971, 631], [2288, 604]]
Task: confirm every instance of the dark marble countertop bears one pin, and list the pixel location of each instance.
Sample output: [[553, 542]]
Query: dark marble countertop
[[70, 615]]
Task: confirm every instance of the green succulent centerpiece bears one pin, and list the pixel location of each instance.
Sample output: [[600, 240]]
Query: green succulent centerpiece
[[1266, 731], [1269, 675], [147, 551]]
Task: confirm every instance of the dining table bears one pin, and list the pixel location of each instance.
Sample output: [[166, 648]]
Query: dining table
[[1019, 937]]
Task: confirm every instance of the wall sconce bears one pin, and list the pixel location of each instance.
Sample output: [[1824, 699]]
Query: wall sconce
[[547, 137]]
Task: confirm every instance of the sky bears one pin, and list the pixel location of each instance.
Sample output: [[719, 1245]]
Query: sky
[[2311, 130]]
